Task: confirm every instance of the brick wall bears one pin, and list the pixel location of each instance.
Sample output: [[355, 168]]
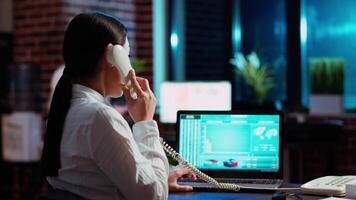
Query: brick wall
[[39, 28], [38, 35], [321, 151], [341, 158]]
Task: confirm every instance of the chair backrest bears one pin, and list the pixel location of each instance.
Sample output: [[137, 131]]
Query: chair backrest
[[57, 194]]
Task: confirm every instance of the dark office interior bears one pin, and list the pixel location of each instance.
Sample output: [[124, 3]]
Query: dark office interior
[[291, 57]]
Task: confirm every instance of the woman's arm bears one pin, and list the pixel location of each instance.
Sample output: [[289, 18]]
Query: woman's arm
[[138, 167]]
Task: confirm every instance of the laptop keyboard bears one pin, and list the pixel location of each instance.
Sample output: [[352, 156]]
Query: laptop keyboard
[[250, 181], [240, 181]]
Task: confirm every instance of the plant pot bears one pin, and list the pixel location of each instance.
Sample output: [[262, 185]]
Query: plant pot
[[326, 104]]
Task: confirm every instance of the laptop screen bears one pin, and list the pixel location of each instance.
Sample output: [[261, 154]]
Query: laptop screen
[[218, 141]]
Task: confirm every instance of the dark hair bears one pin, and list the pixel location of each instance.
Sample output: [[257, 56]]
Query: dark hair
[[84, 44]]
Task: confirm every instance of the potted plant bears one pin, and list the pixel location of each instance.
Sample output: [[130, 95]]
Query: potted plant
[[257, 77], [326, 85], [138, 64]]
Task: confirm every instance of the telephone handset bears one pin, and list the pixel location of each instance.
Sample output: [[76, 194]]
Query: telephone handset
[[208, 179], [119, 57]]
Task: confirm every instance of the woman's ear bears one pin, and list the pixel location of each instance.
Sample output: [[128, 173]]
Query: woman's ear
[[107, 50], [104, 62]]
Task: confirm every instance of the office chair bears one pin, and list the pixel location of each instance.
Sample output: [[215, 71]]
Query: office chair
[[57, 194]]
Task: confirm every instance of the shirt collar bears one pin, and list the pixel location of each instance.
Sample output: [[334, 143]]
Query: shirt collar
[[81, 91]]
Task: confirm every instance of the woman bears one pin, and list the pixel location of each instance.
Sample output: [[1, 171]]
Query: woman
[[89, 148]]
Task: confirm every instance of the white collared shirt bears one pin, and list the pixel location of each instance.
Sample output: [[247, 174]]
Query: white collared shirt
[[102, 159]]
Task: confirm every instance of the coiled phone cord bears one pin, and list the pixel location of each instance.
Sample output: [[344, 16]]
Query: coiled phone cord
[[208, 179]]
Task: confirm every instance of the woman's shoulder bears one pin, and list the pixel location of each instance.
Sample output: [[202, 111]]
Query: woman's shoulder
[[106, 112], [106, 119], [96, 111]]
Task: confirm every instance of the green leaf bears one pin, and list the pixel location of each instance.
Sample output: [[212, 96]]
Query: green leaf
[[138, 64], [326, 75]]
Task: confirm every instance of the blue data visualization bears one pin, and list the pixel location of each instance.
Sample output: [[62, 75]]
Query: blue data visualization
[[236, 142]]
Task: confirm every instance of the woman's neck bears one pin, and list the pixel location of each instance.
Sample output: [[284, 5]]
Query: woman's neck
[[92, 82]]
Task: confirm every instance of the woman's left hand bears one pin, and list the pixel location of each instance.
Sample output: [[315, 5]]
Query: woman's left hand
[[178, 173], [143, 107]]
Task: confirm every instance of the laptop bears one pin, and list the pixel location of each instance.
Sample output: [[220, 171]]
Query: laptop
[[243, 148]]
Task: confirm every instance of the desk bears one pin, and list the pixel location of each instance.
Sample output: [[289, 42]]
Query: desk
[[229, 196], [242, 195]]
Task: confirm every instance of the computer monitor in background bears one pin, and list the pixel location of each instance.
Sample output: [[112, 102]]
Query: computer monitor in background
[[176, 96]]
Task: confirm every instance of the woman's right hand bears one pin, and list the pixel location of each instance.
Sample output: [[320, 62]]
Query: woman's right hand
[[142, 108]]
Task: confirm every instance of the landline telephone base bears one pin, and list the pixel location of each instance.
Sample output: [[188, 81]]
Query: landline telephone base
[[328, 185]]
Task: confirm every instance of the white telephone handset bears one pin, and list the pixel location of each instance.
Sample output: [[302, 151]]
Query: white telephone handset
[[208, 179], [328, 185], [119, 57]]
